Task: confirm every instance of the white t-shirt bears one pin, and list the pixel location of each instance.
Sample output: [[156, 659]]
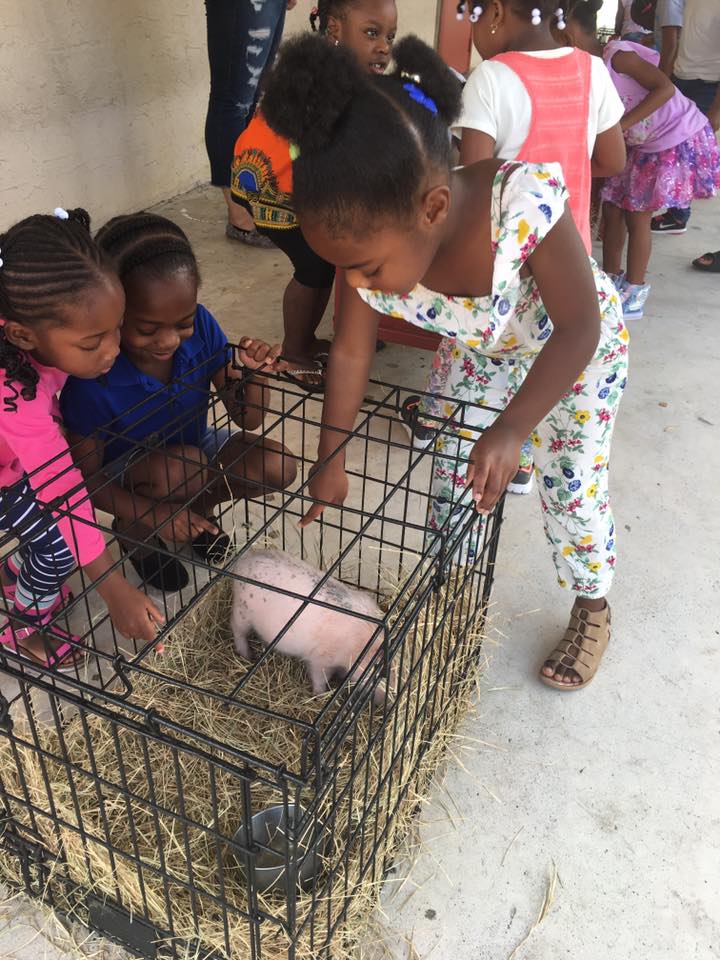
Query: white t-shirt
[[699, 51], [496, 102]]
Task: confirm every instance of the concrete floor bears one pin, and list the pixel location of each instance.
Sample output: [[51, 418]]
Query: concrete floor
[[615, 787]]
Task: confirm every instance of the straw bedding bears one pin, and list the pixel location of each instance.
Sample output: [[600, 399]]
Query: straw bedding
[[200, 651]]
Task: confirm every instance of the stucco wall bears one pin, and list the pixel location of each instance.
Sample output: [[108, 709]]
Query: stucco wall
[[102, 102]]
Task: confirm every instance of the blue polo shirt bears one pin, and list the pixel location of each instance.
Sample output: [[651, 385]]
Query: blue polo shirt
[[129, 403]]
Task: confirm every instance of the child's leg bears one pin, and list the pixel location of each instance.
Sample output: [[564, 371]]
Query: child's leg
[[448, 353], [38, 569], [613, 238], [639, 244], [252, 466], [473, 378], [175, 475], [306, 297], [303, 309], [572, 457]]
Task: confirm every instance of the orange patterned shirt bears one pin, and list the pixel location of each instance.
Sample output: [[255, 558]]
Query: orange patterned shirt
[[262, 176]]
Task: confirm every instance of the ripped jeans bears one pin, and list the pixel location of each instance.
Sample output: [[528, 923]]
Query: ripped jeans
[[242, 37]]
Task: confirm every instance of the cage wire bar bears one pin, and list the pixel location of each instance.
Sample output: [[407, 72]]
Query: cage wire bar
[[129, 783]]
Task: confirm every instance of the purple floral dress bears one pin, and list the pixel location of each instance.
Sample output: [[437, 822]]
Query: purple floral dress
[[488, 348]]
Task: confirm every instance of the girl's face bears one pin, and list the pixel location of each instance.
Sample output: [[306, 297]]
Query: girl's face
[[159, 315], [86, 341], [392, 258], [368, 29]]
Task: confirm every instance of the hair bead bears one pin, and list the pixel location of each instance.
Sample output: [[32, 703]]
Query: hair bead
[[536, 17], [461, 7], [560, 14], [476, 14], [61, 214]]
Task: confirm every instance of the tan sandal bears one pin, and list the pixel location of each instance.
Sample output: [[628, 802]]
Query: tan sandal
[[582, 647]]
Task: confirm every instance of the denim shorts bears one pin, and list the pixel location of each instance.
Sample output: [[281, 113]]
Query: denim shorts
[[210, 444]]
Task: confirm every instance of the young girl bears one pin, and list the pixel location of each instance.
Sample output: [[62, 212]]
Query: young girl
[[262, 183], [157, 391], [536, 99], [482, 255], [672, 158], [61, 307]]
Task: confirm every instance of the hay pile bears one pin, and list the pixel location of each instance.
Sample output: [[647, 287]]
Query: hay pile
[[200, 652]]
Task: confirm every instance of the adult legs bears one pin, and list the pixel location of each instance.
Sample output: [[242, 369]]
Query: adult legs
[[242, 37]]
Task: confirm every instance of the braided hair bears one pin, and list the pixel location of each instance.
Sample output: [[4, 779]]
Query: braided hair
[[149, 243], [46, 262], [349, 168], [320, 14]]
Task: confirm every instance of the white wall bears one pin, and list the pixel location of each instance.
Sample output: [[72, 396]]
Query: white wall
[[102, 102]]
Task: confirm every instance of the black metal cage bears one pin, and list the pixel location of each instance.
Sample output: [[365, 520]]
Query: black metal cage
[[192, 800]]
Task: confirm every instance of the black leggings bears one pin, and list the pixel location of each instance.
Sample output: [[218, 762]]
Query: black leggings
[[310, 269]]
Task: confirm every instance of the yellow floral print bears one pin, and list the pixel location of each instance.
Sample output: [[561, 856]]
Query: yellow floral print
[[582, 416]]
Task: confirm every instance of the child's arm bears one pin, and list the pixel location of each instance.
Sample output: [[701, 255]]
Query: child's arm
[[131, 612], [575, 315], [475, 145], [113, 498], [609, 154], [345, 384], [478, 122], [659, 87], [247, 408]]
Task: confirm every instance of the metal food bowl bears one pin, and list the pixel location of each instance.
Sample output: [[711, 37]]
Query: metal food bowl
[[268, 831]]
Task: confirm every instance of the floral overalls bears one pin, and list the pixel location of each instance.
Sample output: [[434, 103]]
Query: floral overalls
[[488, 347]]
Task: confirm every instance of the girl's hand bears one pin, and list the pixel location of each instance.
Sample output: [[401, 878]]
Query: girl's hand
[[184, 527], [258, 355], [493, 463], [133, 614], [329, 484]]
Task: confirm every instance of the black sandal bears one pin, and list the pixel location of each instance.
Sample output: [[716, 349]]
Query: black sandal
[[712, 267], [155, 569], [212, 547]]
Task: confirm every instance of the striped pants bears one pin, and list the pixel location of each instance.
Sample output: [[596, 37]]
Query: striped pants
[[42, 561]]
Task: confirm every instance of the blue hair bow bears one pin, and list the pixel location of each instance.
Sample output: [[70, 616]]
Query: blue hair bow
[[420, 97]]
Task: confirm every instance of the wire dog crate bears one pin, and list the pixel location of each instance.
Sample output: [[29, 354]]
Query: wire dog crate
[[189, 802]]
